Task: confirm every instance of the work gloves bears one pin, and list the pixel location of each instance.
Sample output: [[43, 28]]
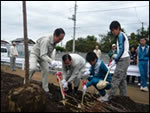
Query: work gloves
[[63, 81], [86, 73], [54, 63], [64, 84]]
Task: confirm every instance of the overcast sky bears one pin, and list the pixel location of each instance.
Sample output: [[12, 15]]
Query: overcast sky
[[93, 17]]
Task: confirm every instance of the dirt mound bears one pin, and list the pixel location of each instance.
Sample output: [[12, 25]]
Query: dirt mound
[[119, 104], [24, 99], [53, 104]]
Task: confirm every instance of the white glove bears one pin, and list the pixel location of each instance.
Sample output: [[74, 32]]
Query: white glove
[[102, 84], [115, 55], [65, 85], [112, 63], [63, 82], [84, 89], [54, 63], [86, 73]]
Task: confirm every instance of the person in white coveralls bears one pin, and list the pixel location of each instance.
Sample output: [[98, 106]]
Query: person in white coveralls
[[74, 68], [41, 53]]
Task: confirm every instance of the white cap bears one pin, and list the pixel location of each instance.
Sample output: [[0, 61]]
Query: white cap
[[113, 45]]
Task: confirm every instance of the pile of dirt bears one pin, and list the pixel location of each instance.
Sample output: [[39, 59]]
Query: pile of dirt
[[53, 104], [119, 104], [27, 98]]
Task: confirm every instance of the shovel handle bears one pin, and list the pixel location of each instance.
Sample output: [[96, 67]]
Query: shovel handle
[[107, 73], [82, 98], [61, 89]]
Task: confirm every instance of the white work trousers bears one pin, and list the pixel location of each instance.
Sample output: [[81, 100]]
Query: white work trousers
[[44, 69]]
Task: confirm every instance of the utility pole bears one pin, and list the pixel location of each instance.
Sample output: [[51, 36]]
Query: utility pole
[[142, 28], [74, 28], [25, 44]]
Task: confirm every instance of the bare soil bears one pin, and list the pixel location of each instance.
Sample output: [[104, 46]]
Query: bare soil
[[53, 104]]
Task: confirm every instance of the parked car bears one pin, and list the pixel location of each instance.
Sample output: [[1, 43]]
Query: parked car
[[4, 51]]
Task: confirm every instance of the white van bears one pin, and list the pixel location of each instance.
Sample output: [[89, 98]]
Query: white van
[[4, 51]]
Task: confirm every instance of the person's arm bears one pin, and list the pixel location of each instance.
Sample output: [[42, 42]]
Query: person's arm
[[43, 47], [53, 54], [74, 73], [121, 41], [91, 72], [44, 51], [46, 58], [147, 52], [90, 82], [137, 50], [64, 71]]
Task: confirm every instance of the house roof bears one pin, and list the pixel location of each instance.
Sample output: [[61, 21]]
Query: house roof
[[21, 40], [4, 42]]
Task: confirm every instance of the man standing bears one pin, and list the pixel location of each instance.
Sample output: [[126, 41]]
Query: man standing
[[113, 51], [41, 53], [122, 60], [143, 58], [97, 51], [73, 69], [13, 55]]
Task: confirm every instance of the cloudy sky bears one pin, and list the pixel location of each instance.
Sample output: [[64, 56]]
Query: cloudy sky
[[93, 17]]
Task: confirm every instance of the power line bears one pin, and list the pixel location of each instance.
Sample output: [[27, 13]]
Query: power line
[[112, 4], [103, 3], [112, 9], [107, 25]]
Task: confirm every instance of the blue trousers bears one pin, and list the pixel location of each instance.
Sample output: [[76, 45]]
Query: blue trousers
[[93, 81], [143, 68]]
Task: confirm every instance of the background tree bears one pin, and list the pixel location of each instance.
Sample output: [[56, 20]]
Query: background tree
[[83, 44], [61, 49]]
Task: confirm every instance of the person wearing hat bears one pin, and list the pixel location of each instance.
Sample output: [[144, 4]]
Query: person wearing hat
[[13, 55], [113, 51]]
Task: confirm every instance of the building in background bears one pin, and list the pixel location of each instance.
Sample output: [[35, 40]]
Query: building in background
[[19, 45]]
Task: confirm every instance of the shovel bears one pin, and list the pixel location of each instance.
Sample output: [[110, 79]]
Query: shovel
[[59, 76], [81, 104], [100, 84]]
